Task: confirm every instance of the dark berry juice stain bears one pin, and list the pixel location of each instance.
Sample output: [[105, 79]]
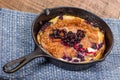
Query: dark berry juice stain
[[82, 50]]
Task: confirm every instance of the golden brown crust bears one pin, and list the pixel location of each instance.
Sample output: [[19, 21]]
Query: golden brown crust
[[58, 50]]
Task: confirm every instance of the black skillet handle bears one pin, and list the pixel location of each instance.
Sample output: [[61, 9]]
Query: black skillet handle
[[18, 63]]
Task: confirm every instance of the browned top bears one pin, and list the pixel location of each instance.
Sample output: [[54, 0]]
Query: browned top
[[57, 49]]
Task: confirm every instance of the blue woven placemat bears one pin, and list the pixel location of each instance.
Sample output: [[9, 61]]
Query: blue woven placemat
[[16, 41]]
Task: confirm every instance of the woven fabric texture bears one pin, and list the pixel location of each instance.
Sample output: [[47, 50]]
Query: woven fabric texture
[[16, 41]]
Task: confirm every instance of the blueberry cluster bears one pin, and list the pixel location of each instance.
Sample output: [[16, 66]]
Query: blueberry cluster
[[71, 38], [57, 34], [68, 38]]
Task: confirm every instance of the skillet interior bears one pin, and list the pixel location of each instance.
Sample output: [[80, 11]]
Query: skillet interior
[[51, 13]]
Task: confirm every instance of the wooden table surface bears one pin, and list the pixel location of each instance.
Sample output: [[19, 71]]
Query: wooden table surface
[[102, 8]]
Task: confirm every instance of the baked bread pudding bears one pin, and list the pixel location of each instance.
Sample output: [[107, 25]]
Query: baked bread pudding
[[72, 39]]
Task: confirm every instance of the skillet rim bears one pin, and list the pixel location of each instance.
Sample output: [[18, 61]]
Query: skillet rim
[[50, 56]]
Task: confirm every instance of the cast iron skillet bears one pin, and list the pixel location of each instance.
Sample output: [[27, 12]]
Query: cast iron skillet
[[48, 14]]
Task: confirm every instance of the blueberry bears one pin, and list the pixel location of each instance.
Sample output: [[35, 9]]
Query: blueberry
[[64, 40], [80, 33], [81, 57], [68, 42], [70, 32], [69, 58], [71, 44], [55, 34], [65, 36], [75, 60], [92, 60], [61, 17], [51, 35], [100, 45], [77, 40], [54, 31], [64, 30], [80, 46], [64, 57], [76, 37], [72, 40], [94, 46]]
